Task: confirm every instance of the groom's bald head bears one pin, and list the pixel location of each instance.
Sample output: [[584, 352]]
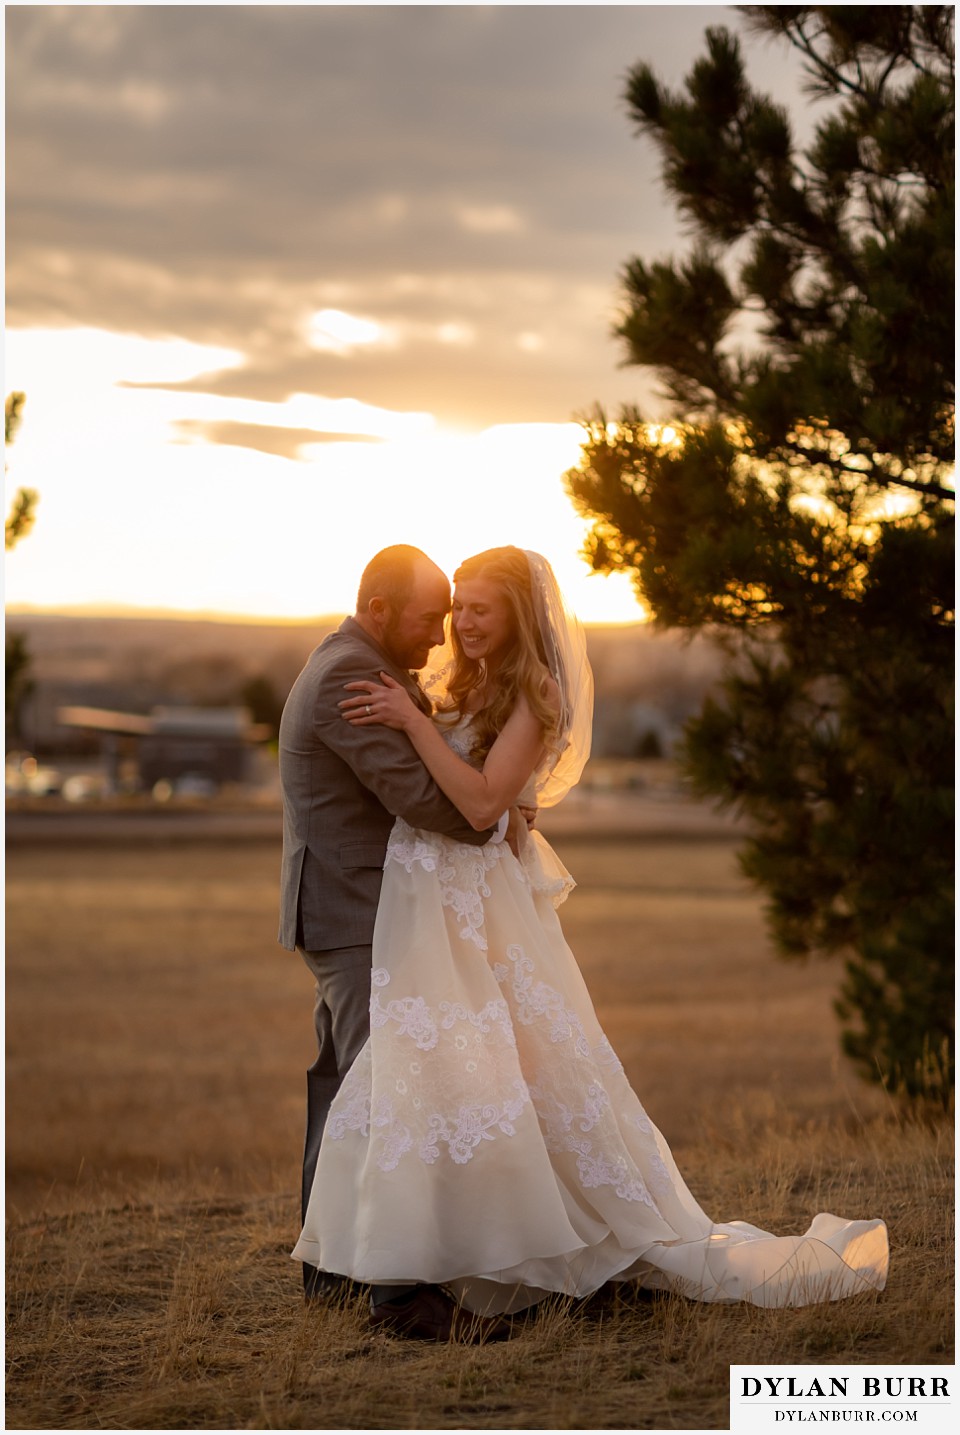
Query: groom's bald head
[[402, 601], [390, 575]]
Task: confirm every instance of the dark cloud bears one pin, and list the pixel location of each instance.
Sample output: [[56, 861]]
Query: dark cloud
[[265, 438], [220, 172]]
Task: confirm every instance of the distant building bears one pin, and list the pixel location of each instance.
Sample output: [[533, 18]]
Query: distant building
[[210, 745], [628, 727]]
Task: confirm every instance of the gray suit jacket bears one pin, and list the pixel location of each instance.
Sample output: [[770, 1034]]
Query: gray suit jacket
[[342, 788]]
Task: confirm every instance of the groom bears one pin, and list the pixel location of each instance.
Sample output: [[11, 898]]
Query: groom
[[342, 787]]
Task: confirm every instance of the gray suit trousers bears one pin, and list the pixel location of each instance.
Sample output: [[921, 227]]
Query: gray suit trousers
[[342, 1019]]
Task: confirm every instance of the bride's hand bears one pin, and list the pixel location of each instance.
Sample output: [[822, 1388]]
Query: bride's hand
[[386, 703]]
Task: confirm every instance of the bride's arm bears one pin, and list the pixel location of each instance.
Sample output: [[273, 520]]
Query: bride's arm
[[481, 796]]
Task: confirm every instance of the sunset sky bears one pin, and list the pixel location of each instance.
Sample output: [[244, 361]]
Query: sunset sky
[[287, 284]]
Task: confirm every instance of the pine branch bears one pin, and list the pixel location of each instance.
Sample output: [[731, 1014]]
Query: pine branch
[[21, 517], [805, 45], [877, 474], [13, 415]]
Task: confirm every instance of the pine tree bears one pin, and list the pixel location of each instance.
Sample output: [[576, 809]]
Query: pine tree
[[17, 682], [799, 502], [21, 516]]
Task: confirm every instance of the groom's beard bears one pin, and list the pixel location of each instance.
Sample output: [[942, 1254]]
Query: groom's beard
[[405, 655]]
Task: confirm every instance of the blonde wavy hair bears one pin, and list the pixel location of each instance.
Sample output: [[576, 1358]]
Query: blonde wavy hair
[[523, 667]]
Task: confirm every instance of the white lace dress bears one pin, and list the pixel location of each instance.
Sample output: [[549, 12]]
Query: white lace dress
[[486, 1137]]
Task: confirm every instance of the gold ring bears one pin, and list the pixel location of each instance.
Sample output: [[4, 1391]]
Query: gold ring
[[369, 709]]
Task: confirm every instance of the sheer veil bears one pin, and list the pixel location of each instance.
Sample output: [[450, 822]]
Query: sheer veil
[[565, 647]]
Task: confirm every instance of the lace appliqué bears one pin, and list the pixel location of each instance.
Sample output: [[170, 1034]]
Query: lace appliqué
[[597, 1170], [565, 1130], [412, 1016], [472, 1125], [461, 1132], [461, 872], [415, 1019], [536, 999], [396, 1127], [411, 851], [459, 738], [356, 1112], [463, 887], [494, 1013], [566, 1127], [604, 1055], [659, 1175]]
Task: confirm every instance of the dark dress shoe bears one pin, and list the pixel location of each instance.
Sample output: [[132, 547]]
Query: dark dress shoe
[[430, 1314]]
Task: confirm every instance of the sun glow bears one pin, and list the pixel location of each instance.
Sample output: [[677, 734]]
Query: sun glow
[[133, 514], [333, 329]]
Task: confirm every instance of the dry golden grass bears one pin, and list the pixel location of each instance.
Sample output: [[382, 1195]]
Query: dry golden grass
[[157, 1039]]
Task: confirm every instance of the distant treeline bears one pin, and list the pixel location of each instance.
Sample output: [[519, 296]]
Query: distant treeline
[[648, 683]]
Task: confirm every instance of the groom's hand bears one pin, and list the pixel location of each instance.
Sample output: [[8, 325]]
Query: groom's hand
[[529, 815]]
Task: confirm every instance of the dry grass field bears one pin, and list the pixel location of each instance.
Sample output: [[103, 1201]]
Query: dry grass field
[[156, 1042]]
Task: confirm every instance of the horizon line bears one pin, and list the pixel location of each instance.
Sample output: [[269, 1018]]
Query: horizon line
[[211, 615], [133, 610]]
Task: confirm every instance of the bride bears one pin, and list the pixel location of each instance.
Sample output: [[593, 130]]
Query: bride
[[486, 1139]]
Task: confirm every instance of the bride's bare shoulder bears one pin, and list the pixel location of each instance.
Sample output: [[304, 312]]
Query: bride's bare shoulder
[[547, 696]]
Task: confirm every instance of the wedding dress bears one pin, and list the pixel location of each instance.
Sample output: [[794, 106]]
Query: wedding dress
[[487, 1139]]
